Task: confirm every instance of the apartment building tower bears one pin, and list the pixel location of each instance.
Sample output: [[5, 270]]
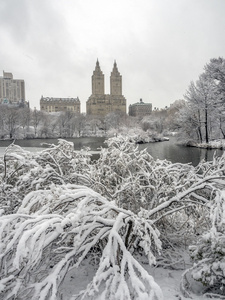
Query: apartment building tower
[[12, 91]]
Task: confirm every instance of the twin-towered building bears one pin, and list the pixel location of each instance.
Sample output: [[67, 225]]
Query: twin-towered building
[[12, 93], [101, 104]]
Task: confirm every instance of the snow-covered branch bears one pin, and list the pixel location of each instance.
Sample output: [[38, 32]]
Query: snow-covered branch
[[59, 209]]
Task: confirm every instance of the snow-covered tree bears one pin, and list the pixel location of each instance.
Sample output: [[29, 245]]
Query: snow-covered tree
[[54, 230], [204, 113], [10, 118], [60, 209], [22, 171], [200, 106], [36, 119], [209, 253], [215, 71], [24, 119]]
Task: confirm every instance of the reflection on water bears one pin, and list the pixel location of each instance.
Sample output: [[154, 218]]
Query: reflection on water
[[34, 145], [174, 152], [94, 143], [169, 150]]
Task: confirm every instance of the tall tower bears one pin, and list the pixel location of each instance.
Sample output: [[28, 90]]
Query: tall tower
[[101, 104], [12, 90], [98, 81], [115, 81]]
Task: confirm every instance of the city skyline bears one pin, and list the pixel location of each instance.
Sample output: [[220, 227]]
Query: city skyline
[[160, 46]]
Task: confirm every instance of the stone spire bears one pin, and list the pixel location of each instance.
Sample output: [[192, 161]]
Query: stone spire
[[97, 70], [98, 81], [115, 81], [115, 69]]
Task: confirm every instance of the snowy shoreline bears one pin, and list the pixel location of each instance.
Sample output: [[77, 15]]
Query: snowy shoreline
[[151, 140], [217, 144]]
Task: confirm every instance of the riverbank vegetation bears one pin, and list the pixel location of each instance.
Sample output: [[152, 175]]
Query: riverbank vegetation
[[25, 123], [120, 216], [198, 120], [202, 118]]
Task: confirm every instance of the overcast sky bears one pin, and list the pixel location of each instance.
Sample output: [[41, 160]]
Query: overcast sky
[[159, 45]]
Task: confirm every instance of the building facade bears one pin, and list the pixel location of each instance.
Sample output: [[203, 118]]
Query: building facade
[[12, 91], [140, 109], [101, 104], [48, 104]]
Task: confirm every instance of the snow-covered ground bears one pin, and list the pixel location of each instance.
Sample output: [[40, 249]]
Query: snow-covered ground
[[38, 149], [31, 149], [168, 280], [66, 221], [216, 144]]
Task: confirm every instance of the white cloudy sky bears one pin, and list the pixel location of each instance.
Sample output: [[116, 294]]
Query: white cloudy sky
[[159, 45]]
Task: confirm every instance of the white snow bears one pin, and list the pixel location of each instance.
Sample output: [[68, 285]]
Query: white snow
[[59, 237], [168, 280]]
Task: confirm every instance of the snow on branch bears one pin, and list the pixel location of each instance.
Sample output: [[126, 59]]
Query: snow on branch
[[59, 209], [209, 253], [23, 172], [39, 246]]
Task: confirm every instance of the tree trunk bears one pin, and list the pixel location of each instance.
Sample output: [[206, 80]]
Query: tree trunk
[[221, 129], [199, 127], [206, 125], [200, 134]]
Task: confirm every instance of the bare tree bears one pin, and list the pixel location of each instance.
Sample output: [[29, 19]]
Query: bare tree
[[36, 118], [11, 121], [24, 119], [80, 122], [215, 71], [205, 102]]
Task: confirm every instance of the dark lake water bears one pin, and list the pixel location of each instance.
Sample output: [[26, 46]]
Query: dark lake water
[[174, 152], [92, 142], [169, 150]]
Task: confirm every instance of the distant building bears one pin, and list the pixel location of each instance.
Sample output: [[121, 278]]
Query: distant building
[[48, 104], [140, 109], [12, 91], [101, 104]]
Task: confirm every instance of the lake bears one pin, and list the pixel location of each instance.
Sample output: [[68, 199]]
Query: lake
[[175, 152], [169, 150]]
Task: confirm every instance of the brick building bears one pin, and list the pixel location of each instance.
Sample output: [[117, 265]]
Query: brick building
[[60, 104], [140, 109]]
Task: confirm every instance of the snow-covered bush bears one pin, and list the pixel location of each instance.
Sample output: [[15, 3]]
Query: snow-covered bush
[[60, 209], [209, 253], [137, 134], [15, 164], [141, 184], [134, 179], [65, 161], [23, 172], [55, 230]]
